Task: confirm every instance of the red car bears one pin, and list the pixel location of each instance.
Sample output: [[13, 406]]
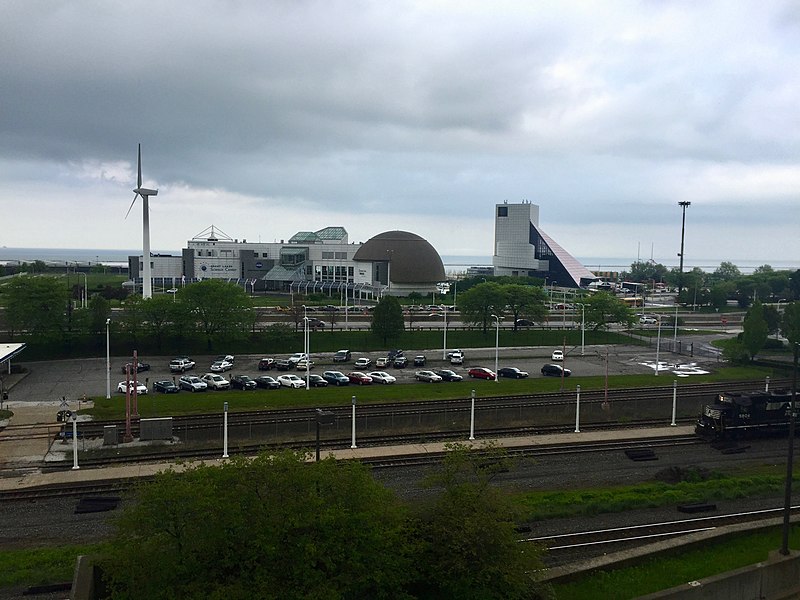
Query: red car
[[481, 373], [359, 378]]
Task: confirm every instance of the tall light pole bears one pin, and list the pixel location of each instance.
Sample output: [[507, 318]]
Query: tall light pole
[[496, 347], [683, 205], [658, 344], [583, 328], [444, 341], [108, 361], [85, 291], [306, 344]]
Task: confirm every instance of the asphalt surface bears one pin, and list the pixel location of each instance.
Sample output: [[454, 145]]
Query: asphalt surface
[[49, 381]]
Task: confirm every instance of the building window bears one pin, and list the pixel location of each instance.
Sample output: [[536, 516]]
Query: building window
[[502, 211], [327, 256]]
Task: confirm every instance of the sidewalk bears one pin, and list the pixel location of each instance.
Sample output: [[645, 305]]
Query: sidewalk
[[128, 471]]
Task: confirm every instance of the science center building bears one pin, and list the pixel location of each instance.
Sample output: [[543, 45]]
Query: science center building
[[393, 262]]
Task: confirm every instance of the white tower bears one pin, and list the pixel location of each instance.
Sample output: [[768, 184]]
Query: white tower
[[147, 282]]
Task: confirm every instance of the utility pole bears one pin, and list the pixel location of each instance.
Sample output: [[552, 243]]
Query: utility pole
[[683, 205]]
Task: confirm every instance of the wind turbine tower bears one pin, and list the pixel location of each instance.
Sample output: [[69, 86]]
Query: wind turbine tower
[[145, 193]]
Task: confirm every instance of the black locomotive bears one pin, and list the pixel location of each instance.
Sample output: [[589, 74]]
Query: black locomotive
[[741, 414]]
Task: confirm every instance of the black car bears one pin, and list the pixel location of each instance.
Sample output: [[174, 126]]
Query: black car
[[448, 375], [555, 370], [266, 364], [419, 360], [336, 378], [140, 366], [394, 354], [400, 362], [341, 356], [525, 323], [267, 382], [512, 372], [165, 386], [283, 364], [243, 382], [315, 380]]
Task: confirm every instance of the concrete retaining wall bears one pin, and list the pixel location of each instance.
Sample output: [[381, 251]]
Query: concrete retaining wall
[[776, 578]]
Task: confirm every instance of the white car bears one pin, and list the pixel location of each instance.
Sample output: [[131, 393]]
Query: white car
[[648, 320], [303, 363], [382, 362], [216, 382], [382, 377], [141, 389], [297, 357], [557, 355], [291, 381], [363, 362], [220, 366], [192, 383]]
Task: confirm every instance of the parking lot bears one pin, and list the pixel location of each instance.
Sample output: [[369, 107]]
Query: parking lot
[[77, 378]]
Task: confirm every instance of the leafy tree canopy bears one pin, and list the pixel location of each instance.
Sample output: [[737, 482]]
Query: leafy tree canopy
[[602, 309], [387, 319], [754, 330]]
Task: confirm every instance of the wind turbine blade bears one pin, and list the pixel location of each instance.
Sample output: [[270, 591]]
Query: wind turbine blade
[[131, 206], [139, 180]]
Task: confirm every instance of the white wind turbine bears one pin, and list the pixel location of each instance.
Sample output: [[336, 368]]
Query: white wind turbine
[[147, 289]]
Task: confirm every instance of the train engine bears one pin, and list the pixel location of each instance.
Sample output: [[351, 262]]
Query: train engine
[[741, 414]]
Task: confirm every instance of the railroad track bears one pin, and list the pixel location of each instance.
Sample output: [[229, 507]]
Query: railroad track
[[566, 547], [692, 392]]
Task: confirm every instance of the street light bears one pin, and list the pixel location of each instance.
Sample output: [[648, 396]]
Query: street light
[[306, 345], [108, 361], [683, 205], [496, 346], [658, 343], [444, 341], [583, 328]]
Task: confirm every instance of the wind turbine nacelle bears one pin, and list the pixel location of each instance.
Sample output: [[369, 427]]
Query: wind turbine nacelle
[[145, 192]]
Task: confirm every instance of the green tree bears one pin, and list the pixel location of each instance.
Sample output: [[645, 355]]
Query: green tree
[[36, 305], [727, 271], [525, 301], [274, 527], [99, 311], [602, 309], [772, 318], [754, 330], [790, 324], [479, 303], [222, 310], [133, 316], [469, 547], [387, 319], [159, 314], [647, 271]]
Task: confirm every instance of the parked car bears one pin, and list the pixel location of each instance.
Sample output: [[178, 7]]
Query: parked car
[[450, 353], [428, 376], [648, 320], [383, 361], [481, 373], [336, 378], [192, 383], [363, 362], [297, 357], [555, 370], [266, 364], [557, 355], [394, 354], [419, 360], [283, 364], [291, 381], [317, 323], [229, 357], [382, 377], [448, 375], [141, 389], [457, 359], [243, 382], [265, 381], [220, 366], [511, 372], [140, 366], [315, 380], [525, 323], [400, 362], [359, 378], [303, 363], [216, 382], [341, 356], [181, 364], [165, 386]]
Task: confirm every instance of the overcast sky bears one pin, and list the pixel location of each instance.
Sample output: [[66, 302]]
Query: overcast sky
[[268, 118]]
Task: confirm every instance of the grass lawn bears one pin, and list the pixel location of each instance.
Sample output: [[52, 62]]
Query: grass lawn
[[240, 401], [40, 566], [668, 570]]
